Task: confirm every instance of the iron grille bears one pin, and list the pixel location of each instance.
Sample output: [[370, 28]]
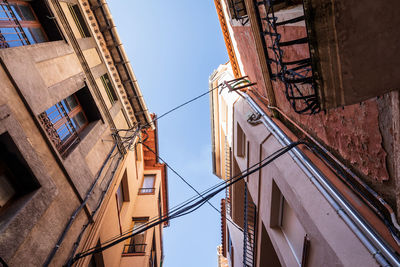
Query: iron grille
[[238, 11], [7, 35], [296, 74], [249, 233]]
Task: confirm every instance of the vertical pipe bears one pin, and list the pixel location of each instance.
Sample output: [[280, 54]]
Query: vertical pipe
[[379, 250]]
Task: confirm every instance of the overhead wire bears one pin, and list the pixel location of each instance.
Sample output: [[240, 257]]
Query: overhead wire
[[188, 184], [110, 156], [193, 207], [194, 197]]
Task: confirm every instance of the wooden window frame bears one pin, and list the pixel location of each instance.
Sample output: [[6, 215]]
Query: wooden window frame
[[124, 191], [64, 119], [79, 20], [112, 96], [148, 190], [10, 23], [130, 241]]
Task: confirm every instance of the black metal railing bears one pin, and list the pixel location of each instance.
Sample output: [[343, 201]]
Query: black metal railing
[[134, 248], [146, 190], [249, 230], [238, 11], [295, 71]]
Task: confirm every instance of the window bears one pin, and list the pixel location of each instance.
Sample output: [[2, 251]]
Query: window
[[19, 25], [240, 142], [148, 184], [16, 179], [109, 88], [65, 120], [79, 20], [122, 193], [137, 243], [284, 219]]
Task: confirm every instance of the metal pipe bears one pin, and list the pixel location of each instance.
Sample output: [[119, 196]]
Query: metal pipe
[[350, 172], [77, 210], [374, 244]]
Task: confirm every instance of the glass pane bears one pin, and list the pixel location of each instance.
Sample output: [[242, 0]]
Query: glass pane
[[64, 131], [26, 13], [53, 114], [10, 37], [79, 120], [120, 197], [29, 35], [71, 103], [37, 34], [4, 13], [16, 11], [148, 181]]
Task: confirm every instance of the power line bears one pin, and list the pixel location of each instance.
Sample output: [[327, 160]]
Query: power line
[[191, 208], [190, 200], [188, 184], [128, 140]]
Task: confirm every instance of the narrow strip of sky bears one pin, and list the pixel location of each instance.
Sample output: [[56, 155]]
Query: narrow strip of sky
[[174, 46]]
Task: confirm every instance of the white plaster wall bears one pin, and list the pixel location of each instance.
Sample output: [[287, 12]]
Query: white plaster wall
[[332, 243]]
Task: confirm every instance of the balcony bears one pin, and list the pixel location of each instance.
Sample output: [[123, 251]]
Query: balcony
[[287, 52], [330, 54]]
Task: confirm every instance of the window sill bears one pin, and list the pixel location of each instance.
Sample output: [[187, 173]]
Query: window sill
[[146, 193], [136, 254]]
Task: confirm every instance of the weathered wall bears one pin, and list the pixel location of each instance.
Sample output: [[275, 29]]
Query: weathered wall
[[332, 242], [352, 132]]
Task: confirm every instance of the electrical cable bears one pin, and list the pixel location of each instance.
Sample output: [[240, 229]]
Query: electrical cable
[[188, 184], [192, 207], [194, 197], [186, 210]]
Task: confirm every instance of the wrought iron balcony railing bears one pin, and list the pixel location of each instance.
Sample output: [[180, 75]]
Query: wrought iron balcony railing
[[70, 136], [249, 231], [146, 190], [13, 34], [237, 8], [285, 63], [134, 248]]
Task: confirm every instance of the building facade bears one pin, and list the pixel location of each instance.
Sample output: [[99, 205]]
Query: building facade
[[79, 164], [300, 78]]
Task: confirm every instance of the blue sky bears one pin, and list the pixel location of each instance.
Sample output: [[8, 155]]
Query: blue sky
[[174, 46]]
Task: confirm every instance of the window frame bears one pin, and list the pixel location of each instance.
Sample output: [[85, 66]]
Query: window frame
[[122, 193], [240, 141], [109, 88], [79, 19], [278, 211], [65, 119], [148, 190], [10, 23], [131, 241]]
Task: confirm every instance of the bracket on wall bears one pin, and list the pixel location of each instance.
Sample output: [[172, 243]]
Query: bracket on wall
[[239, 84]]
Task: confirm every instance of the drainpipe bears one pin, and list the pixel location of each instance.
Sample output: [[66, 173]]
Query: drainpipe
[[374, 244]]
